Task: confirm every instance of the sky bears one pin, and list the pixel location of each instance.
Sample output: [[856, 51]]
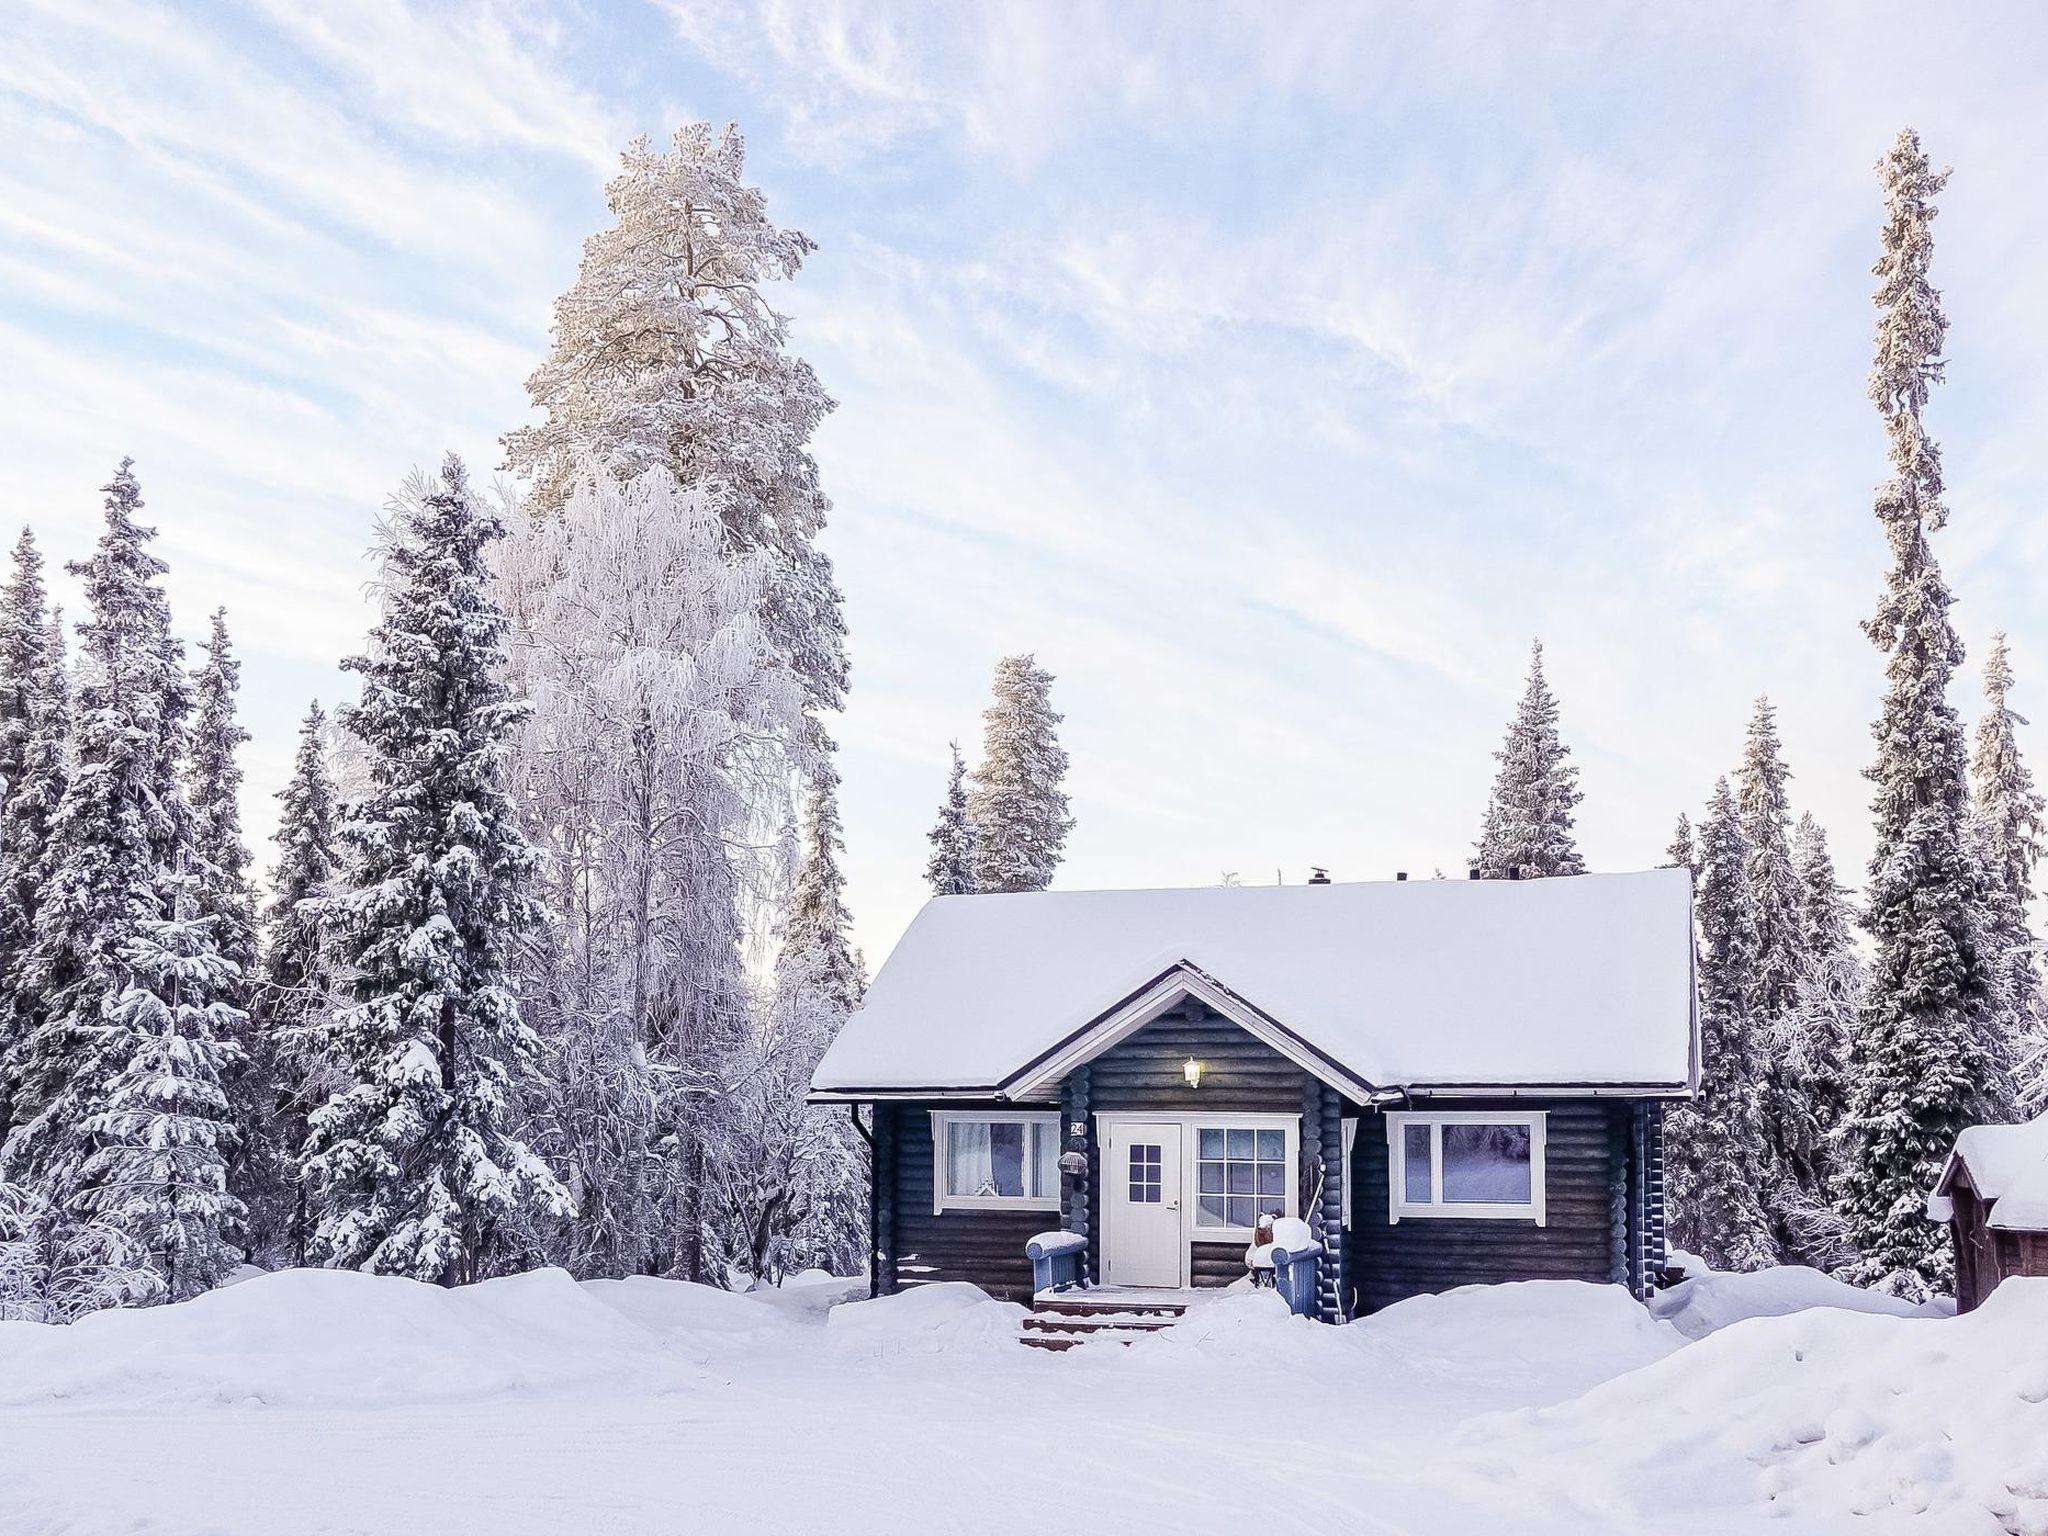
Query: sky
[[1274, 374]]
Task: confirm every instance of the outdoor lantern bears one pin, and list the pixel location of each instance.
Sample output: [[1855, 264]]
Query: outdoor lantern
[[1191, 1069]]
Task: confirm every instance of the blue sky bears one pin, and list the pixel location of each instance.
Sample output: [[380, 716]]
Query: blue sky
[[1274, 373]]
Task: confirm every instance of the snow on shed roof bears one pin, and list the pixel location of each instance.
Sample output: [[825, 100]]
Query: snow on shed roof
[[2008, 1167], [1579, 980]]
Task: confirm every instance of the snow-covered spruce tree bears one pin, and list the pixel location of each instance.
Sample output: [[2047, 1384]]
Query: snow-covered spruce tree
[[295, 989], [33, 724], [667, 353], [1716, 1157], [1921, 1063], [219, 866], [1792, 1203], [660, 743], [56, 1267], [164, 1135], [2006, 822], [818, 923], [413, 1166], [1683, 853], [1812, 1046], [1528, 825], [1018, 805], [119, 817], [792, 1178], [955, 844]]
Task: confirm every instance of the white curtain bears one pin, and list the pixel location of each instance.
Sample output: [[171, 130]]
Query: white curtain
[[970, 1166]]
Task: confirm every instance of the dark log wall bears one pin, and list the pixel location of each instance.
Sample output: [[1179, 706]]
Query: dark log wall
[[1985, 1254], [1238, 1072], [914, 1246], [1593, 1199]]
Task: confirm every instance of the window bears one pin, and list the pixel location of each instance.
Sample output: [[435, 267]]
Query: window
[[1145, 1183], [1241, 1173], [995, 1161], [1472, 1164]]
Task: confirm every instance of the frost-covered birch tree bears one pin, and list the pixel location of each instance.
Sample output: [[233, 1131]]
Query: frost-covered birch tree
[[793, 1176], [413, 1161], [2006, 823], [1018, 803], [1528, 825], [1716, 1158], [668, 353], [956, 847], [1922, 1062], [655, 769]]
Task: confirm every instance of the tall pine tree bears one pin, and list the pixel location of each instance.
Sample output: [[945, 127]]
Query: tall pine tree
[[1716, 1138], [1528, 826], [955, 845], [1019, 804], [295, 987], [118, 822], [1921, 1067], [1812, 1046], [2006, 821], [33, 723], [414, 1169], [159, 1171], [220, 897]]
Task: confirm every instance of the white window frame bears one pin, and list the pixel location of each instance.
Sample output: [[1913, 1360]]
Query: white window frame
[[1190, 1124], [1400, 1208], [943, 1202]]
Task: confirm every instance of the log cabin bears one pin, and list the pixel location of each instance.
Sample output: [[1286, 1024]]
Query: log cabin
[[1449, 1081], [1993, 1194]]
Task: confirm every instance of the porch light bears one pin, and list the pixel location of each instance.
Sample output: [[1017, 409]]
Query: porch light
[[1191, 1069]]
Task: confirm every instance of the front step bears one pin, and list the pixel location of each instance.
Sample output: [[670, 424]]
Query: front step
[[1063, 1319]]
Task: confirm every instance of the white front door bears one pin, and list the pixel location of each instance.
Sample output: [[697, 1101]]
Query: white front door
[[1141, 1165]]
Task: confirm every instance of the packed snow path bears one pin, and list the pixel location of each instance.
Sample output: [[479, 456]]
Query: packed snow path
[[325, 1402]]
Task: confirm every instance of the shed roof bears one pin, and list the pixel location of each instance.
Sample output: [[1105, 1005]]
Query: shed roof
[[2008, 1167], [1579, 981]]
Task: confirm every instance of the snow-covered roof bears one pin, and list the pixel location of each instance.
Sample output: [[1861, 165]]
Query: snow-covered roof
[[2008, 1167], [1584, 980]]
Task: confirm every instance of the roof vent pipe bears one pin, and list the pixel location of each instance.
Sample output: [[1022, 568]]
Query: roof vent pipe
[[1400, 874], [1472, 873], [1317, 875]]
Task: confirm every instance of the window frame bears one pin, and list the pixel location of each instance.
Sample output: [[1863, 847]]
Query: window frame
[[1290, 1168], [1401, 1208], [943, 1202]]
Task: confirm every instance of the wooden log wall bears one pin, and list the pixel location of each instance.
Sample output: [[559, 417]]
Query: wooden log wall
[[1388, 1262], [984, 1248]]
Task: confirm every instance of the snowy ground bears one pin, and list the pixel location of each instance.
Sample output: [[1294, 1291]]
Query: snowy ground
[[323, 1402]]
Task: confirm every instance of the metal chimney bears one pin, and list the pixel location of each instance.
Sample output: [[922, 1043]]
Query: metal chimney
[[1317, 875]]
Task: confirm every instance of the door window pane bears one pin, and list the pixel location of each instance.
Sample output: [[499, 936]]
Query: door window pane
[[1144, 1175], [1415, 1163], [1247, 1165], [1486, 1165]]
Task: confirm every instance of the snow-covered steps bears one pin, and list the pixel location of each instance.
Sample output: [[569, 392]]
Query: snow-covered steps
[[1117, 1314]]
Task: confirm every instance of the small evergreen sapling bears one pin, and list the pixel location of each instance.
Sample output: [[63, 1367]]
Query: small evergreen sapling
[[1019, 803], [1528, 827], [956, 847]]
